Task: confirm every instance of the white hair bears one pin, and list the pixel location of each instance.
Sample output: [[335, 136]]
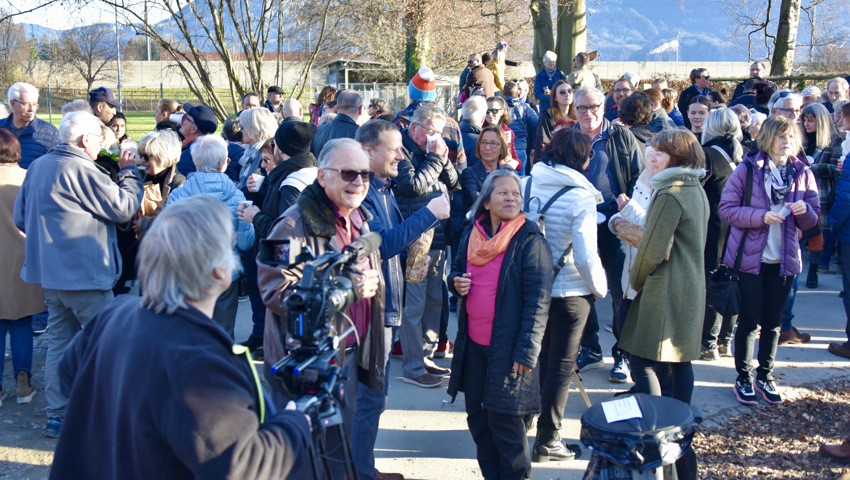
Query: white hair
[[208, 151], [162, 145], [328, 152], [633, 78], [777, 100], [78, 105], [426, 112], [589, 92], [842, 83], [550, 55], [76, 124], [258, 124], [180, 250], [784, 102], [758, 118], [18, 88], [474, 110]]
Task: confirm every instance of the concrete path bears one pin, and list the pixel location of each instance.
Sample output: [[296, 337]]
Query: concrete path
[[424, 436]]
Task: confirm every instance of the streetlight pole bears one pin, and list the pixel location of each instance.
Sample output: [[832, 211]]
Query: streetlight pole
[[118, 54]]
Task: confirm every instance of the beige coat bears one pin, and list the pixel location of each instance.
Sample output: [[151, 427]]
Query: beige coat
[[17, 299]]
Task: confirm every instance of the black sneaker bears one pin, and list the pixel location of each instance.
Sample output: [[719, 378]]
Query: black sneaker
[[744, 392], [767, 388]]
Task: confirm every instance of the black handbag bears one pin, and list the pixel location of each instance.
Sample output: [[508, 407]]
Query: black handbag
[[722, 292]]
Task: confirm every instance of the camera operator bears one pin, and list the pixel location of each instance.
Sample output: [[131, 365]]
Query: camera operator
[[382, 142], [155, 387], [326, 217]]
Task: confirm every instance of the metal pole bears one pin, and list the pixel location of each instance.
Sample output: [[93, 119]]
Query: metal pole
[[118, 55], [49, 105]]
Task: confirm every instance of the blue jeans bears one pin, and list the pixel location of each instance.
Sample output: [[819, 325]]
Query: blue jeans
[[370, 405], [20, 341], [788, 315]]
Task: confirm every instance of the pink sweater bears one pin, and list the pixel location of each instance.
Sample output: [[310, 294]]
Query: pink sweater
[[481, 299]]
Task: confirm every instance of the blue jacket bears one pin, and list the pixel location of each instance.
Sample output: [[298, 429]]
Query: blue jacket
[[68, 207], [396, 235], [234, 153], [524, 126], [541, 82], [221, 187], [342, 126], [840, 213], [36, 139], [677, 117], [470, 133]]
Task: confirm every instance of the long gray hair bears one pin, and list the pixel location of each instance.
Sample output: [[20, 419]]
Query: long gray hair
[[487, 191], [179, 252]]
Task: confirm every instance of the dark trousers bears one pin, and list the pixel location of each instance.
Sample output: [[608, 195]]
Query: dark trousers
[[612, 256], [258, 309], [499, 438], [559, 349], [716, 329], [764, 298], [844, 255]]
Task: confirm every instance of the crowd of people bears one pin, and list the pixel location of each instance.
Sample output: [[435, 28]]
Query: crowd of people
[[518, 214]]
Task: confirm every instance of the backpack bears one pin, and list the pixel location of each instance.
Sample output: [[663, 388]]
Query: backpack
[[539, 218]]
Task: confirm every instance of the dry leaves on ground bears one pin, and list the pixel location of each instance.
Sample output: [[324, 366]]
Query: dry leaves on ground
[[780, 441]]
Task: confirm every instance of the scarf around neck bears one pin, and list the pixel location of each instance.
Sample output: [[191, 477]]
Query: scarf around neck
[[779, 187], [482, 250]]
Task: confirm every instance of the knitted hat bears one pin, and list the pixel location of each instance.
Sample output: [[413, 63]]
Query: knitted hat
[[423, 86], [294, 138]]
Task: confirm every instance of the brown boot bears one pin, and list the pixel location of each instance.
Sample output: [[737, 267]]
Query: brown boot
[[837, 452], [840, 349], [25, 391]]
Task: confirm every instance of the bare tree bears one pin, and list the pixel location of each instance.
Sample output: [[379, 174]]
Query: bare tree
[[90, 50], [14, 49], [544, 38]]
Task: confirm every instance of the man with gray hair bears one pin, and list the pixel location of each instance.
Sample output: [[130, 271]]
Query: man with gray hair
[[327, 216], [615, 166], [78, 105], [837, 89], [35, 135], [425, 173], [786, 103], [68, 208], [209, 153], [349, 109], [473, 112]]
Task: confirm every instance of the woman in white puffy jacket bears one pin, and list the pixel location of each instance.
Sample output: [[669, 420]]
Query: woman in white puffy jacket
[[571, 232]]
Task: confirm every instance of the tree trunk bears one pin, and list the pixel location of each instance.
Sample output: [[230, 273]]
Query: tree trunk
[[417, 42], [541, 17], [786, 38], [572, 32]]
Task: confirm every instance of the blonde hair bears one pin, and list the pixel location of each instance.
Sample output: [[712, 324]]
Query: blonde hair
[[774, 126], [258, 124], [162, 145]]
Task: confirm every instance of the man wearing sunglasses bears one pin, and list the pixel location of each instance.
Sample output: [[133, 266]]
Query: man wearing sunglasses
[[425, 173], [699, 86], [68, 207], [326, 217]]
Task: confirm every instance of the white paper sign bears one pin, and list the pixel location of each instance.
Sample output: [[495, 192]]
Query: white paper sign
[[621, 409]]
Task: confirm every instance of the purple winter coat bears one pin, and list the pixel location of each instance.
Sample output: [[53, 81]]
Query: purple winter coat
[[750, 219]]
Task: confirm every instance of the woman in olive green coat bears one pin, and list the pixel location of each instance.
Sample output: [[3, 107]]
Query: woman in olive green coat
[[664, 324]]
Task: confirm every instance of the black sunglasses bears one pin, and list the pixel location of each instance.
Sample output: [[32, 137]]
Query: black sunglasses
[[350, 175]]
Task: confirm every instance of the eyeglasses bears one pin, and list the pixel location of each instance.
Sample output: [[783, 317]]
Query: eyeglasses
[[565, 91], [490, 144], [96, 135], [588, 108], [429, 131], [28, 105], [623, 90], [350, 175], [795, 111], [494, 110], [707, 77], [144, 157]]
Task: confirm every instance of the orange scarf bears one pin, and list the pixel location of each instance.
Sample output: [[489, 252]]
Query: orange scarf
[[481, 249]]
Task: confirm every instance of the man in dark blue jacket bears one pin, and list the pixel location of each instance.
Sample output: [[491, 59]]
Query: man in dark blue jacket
[[349, 108], [382, 142], [36, 136], [198, 121]]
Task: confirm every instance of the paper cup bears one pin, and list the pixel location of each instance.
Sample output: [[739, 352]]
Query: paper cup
[[245, 203], [258, 179]]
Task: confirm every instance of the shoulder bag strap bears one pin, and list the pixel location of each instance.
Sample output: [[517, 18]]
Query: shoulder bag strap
[[563, 260], [527, 200], [748, 198]]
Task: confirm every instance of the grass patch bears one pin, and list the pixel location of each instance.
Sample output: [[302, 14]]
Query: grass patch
[[139, 124]]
